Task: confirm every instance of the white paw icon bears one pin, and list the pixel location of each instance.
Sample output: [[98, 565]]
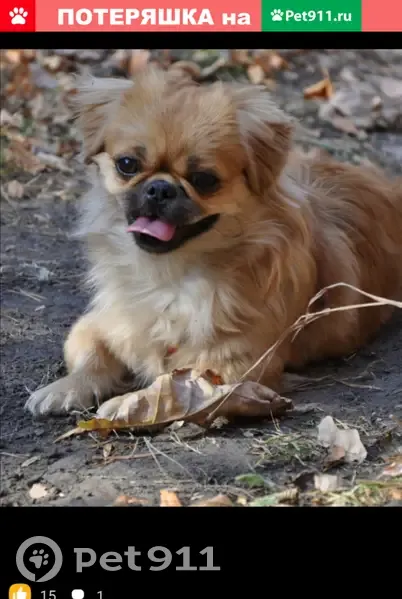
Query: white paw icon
[[18, 16], [277, 15]]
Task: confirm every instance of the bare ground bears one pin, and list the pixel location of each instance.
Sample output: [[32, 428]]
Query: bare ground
[[41, 295]]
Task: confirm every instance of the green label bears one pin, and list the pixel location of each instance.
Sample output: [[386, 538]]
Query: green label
[[311, 15]]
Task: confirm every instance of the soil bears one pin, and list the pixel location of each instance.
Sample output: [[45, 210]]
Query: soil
[[42, 294]]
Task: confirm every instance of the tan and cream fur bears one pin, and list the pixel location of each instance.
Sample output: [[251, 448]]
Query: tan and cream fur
[[288, 226]]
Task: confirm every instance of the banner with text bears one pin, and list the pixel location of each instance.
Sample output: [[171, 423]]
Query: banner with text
[[200, 15]]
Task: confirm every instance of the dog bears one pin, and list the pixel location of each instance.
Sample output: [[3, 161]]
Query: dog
[[208, 235]]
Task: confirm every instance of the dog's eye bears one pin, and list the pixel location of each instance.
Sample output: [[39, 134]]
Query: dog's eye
[[204, 181], [127, 166]]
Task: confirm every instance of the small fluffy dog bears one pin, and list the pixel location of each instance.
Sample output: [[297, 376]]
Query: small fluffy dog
[[208, 236]]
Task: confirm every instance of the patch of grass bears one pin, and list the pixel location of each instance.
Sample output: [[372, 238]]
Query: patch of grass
[[366, 493], [286, 447]]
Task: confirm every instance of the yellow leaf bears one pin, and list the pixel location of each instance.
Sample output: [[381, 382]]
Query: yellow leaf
[[321, 89], [169, 499]]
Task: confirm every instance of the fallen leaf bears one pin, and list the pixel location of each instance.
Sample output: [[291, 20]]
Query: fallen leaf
[[321, 89], [394, 467], [169, 499], [24, 158], [137, 61], [327, 482], [126, 500], [38, 491], [240, 57], [217, 501], [342, 444], [270, 61], [15, 189], [256, 74], [190, 396]]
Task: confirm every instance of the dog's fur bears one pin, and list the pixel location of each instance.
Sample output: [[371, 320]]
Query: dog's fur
[[289, 226]]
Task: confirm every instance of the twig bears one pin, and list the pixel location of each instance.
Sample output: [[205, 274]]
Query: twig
[[310, 317]]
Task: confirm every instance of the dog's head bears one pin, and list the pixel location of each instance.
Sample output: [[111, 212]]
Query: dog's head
[[183, 160]]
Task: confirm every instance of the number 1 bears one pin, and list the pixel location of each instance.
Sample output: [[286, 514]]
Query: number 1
[[209, 552]]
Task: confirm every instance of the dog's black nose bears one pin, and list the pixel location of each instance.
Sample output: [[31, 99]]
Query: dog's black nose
[[160, 190]]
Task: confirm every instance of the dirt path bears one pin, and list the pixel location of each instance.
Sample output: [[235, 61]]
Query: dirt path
[[41, 270]]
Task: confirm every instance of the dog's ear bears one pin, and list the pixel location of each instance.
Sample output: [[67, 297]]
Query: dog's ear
[[95, 104], [266, 133]]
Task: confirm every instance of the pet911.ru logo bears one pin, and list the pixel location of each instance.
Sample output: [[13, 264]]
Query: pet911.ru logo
[[278, 15]]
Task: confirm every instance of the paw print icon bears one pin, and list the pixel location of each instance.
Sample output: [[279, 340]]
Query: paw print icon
[[39, 559], [277, 14], [18, 16]]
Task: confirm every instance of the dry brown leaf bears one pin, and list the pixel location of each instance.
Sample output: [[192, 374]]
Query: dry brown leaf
[[342, 444], [321, 89], [240, 57], [217, 501], [256, 74], [270, 61], [190, 396], [38, 491], [126, 500], [24, 158], [169, 499], [394, 467], [138, 61], [15, 189]]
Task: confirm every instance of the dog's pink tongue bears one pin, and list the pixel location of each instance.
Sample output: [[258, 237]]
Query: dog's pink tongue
[[155, 228]]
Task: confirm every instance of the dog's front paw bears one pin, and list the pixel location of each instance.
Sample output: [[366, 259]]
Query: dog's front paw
[[120, 407], [64, 395]]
